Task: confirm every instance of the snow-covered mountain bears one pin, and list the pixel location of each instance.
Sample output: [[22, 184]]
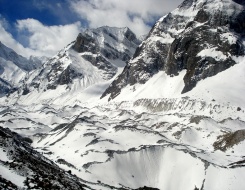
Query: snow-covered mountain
[[94, 58], [200, 38], [14, 68], [175, 116]]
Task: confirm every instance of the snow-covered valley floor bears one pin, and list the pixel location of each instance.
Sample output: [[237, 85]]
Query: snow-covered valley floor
[[177, 143]]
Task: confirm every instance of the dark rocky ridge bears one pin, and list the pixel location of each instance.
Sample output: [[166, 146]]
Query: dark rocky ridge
[[202, 30], [5, 87], [184, 55]]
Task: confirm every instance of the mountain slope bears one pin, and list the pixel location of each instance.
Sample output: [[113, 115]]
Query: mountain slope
[[195, 38]]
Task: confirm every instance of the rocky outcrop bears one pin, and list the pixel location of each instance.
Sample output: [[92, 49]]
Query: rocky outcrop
[[5, 87], [229, 140], [85, 43]]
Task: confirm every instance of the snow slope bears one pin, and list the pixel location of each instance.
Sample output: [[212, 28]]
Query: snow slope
[[226, 87]]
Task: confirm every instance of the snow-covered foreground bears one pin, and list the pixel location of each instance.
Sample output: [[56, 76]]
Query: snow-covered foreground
[[162, 143]]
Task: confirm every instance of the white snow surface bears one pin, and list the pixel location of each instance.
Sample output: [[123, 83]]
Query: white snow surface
[[152, 148], [11, 72], [163, 168], [3, 155]]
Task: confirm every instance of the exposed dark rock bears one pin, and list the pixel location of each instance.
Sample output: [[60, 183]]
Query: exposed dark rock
[[62, 161], [85, 43], [228, 140], [25, 91], [184, 51], [240, 163], [5, 184], [147, 188], [68, 75], [197, 119], [5, 87], [101, 63], [238, 23]]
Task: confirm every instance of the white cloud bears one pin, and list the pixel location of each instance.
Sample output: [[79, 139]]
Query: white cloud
[[7, 39], [132, 13], [47, 40], [41, 40]]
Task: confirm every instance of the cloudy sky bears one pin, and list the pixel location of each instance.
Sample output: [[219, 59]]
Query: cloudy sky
[[43, 27]]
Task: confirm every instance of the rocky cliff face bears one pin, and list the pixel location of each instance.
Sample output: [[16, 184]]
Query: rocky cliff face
[[200, 37]]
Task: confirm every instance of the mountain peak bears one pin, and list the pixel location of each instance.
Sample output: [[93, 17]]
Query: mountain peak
[[112, 42]]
